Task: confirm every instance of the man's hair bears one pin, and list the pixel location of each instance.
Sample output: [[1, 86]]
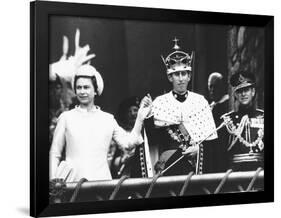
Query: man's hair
[[188, 72], [93, 79]]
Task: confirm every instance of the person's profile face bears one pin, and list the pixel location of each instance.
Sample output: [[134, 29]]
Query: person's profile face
[[245, 95], [179, 80], [85, 91]]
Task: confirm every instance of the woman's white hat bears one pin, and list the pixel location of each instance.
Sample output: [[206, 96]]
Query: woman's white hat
[[89, 71]]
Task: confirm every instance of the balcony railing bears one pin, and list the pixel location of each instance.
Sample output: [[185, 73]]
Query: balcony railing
[[159, 186]]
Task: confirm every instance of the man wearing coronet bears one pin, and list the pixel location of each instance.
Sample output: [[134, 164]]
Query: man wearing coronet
[[181, 120], [245, 126]]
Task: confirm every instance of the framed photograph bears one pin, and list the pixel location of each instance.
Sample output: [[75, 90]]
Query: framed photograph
[[140, 109]]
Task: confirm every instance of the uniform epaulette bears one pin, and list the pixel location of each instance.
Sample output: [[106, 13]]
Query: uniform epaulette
[[226, 114]]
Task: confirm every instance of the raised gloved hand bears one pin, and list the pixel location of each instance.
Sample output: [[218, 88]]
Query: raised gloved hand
[[66, 66], [145, 107]]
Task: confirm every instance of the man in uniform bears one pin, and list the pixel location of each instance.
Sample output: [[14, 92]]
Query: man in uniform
[[244, 127], [180, 121]]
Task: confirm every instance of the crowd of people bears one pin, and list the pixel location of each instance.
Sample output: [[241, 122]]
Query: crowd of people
[[172, 134]]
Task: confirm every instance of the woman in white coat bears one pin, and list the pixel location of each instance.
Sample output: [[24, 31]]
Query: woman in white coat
[[86, 132]]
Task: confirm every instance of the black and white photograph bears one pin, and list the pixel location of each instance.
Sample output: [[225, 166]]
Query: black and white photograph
[[144, 109], [140, 108], [147, 109]]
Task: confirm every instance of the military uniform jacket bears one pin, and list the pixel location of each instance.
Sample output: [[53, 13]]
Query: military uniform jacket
[[245, 145]]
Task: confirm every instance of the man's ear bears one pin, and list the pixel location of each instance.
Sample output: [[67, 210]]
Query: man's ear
[[170, 78], [253, 92], [235, 95], [188, 76]]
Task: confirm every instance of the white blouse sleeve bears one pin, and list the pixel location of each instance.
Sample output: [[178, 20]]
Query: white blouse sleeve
[[128, 140], [58, 144]]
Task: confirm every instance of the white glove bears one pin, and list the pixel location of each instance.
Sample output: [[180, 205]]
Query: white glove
[[66, 67]]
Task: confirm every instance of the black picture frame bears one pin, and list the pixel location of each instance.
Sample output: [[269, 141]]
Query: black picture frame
[[40, 13]]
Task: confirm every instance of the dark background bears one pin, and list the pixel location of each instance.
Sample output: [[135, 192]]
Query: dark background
[[128, 53]]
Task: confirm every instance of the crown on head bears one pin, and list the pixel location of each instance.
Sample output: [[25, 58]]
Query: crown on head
[[178, 60]]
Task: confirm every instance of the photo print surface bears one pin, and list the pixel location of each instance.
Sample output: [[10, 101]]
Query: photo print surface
[[145, 109]]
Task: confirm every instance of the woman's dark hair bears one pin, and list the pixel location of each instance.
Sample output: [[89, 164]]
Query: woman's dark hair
[[121, 115], [93, 79]]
